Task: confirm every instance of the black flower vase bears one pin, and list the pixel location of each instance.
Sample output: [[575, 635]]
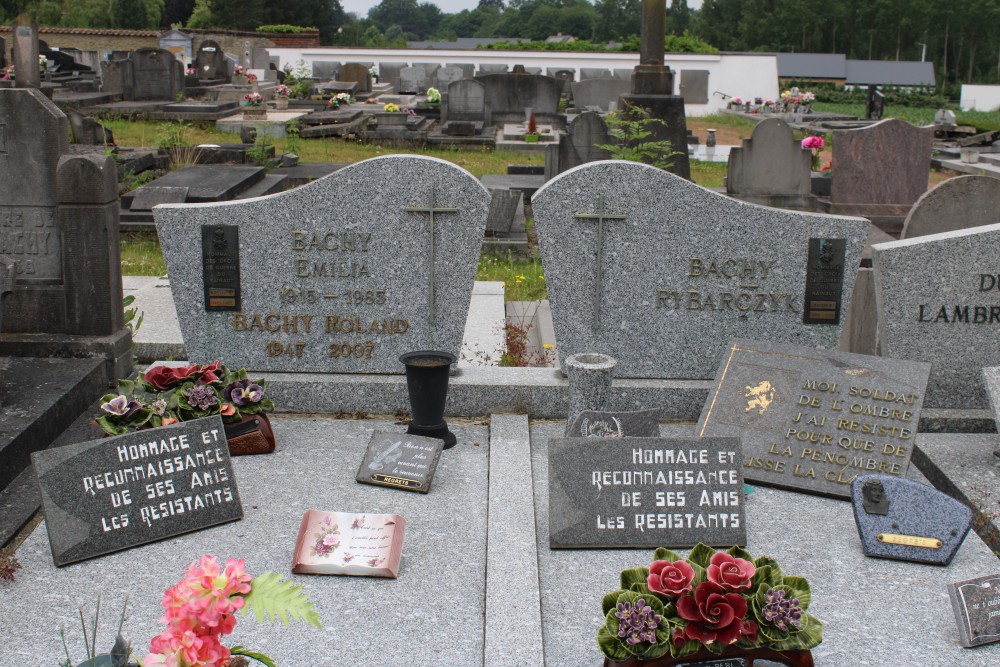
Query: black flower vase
[[427, 382]]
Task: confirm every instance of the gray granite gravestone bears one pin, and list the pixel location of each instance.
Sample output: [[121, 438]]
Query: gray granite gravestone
[[938, 300], [324, 70], [446, 75], [156, 75], [468, 69], [645, 492], [466, 101], [115, 493], [813, 420], [628, 424], [400, 461], [886, 163], [388, 72], [600, 93], [630, 248], [991, 380], [491, 68], [594, 73], [902, 519], [88, 131], [341, 294], [503, 208], [958, 203], [25, 53], [116, 77], [210, 62], [508, 95], [580, 144], [770, 164], [976, 603], [260, 58], [359, 74], [412, 80]]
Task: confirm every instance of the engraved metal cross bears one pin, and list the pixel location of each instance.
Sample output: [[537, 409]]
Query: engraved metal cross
[[431, 210], [600, 215]]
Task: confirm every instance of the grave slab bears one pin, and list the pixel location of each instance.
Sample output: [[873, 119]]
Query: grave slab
[[688, 274]]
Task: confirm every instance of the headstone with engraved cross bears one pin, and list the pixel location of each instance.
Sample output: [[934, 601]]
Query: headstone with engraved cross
[[677, 270], [324, 290]]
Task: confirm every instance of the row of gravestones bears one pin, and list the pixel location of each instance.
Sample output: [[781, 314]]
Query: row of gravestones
[[389, 71]]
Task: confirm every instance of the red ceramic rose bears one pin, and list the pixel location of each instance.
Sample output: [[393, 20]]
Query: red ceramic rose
[[209, 373], [165, 377], [750, 631], [713, 614], [670, 578], [733, 574]]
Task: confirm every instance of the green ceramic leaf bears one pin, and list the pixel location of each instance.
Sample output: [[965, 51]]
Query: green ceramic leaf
[[634, 575], [609, 601], [700, 575], [701, 555], [641, 589], [761, 561], [689, 647], [666, 554], [610, 646], [810, 634], [110, 427], [800, 589], [740, 552], [272, 597]]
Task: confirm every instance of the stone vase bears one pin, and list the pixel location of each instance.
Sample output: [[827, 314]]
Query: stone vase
[[281, 103], [427, 383], [254, 111], [590, 376]]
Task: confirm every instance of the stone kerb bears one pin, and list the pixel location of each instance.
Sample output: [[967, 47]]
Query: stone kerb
[[328, 286], [659, 273]]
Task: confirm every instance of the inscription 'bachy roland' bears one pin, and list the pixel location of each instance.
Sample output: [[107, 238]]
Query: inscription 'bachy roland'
[[748, 275]]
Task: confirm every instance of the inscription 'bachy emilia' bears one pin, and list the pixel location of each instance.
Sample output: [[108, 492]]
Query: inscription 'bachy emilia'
[[336, 243], [748, 274]]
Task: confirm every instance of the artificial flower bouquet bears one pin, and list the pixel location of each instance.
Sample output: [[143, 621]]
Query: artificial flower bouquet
[[254, 99], [281, 90], [710, 601], [166, 395], [391, 107], [340, 99], [433, 96]]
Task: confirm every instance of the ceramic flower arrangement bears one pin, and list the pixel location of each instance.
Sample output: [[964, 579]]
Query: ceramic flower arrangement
[[254, 99], [391, 108], [281, 90], [202, 607], [166, 395], [710, 600]]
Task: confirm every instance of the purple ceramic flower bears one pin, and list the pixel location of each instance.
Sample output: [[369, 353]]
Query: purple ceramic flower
[[243, 392], [784, 613], [121, 406], [637, 623], [201, 396]]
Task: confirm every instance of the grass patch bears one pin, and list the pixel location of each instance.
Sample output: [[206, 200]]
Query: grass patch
[[709, 174], [523, 279], [728, 120], [141, 255], [983, 120]]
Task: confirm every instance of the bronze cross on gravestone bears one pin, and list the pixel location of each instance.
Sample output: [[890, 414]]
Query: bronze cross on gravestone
[[431, 210], [600, 215]]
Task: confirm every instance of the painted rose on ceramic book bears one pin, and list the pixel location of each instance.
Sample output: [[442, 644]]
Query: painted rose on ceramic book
[[357, 544]]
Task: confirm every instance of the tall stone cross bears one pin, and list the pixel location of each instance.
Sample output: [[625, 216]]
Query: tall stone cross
[[600, 215], [430, 209]]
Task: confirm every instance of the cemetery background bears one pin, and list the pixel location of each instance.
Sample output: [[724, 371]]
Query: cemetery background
[[480, 495]]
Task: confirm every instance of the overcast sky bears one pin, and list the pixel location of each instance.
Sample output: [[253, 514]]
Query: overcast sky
[[361, 7]]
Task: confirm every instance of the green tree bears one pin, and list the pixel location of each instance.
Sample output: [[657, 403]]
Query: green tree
[[130, 14], [678, 17]]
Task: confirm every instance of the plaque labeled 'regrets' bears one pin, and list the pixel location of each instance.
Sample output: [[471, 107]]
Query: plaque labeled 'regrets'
[[220, 253], [400, 461], [610, 493], [824, 281], [116, 493]]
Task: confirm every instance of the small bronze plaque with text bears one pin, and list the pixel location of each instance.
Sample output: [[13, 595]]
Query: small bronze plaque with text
[[220, 253], [824, 281]]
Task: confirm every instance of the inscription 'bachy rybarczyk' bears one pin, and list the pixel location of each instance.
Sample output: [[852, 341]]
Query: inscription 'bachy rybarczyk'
[[746, 275]]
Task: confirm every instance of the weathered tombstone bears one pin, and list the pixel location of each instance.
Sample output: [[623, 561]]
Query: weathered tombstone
[[690, 275], [874, 103], [447, 75], [938, 300], [628, 424], [388, 72], [324, 70], [88, 131], [645, 492], [560, 73], [466, 101], [958, 203], [902, 519], [491, 68], [624, 74], [348, 295], [260, 58], [430, 69], [210, 62], [508, 95], [400, 461], [156, 75], [602, 93], [886, 163], [594, 73], [412, 80], [146, 197], [503, 208], [812, 420], [580, 144], [98, 497], [976, 603], [358, 73], [116, 77], [771, 167], [26, 53], [468, 69]]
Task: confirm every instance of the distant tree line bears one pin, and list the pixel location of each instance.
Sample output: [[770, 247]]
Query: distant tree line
[[959, 36]]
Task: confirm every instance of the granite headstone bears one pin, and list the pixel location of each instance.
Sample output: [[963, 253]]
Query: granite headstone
[[623, 424], [324, 70], [580, 144], [156, 75], [400, 461], [886, 163], [902, 519], [645, 492], [388, 72], [587, 73], [466, 101], [210, 61], [991, 380], [771, 162], [359, 74], [958, 203], [446, 75], [412, 80], [938, 299], [599, 93], [341, 294], [628, 247], [813, 420], [976, 603], [504, 205], [508, 95], [116, 493]]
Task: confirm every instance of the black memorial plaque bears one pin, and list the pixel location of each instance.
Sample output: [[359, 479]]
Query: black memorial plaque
[[116, 493], [976, 603], [716, 662], [824, 281], [608, 493], [630, 424], [401, 461], [220, 256]]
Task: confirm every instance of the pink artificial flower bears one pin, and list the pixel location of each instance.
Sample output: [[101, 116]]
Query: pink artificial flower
[[733, 574], [813, 143], [670, 579]]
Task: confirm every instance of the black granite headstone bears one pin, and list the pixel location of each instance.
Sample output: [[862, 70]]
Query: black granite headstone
[[906, 520], [401, 461], [116, 493], [597, 424], [812, 420], [645, 492], [976, 603]]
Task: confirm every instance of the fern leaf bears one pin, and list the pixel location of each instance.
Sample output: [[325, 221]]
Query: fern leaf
[[259, 657], [273, 597]]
